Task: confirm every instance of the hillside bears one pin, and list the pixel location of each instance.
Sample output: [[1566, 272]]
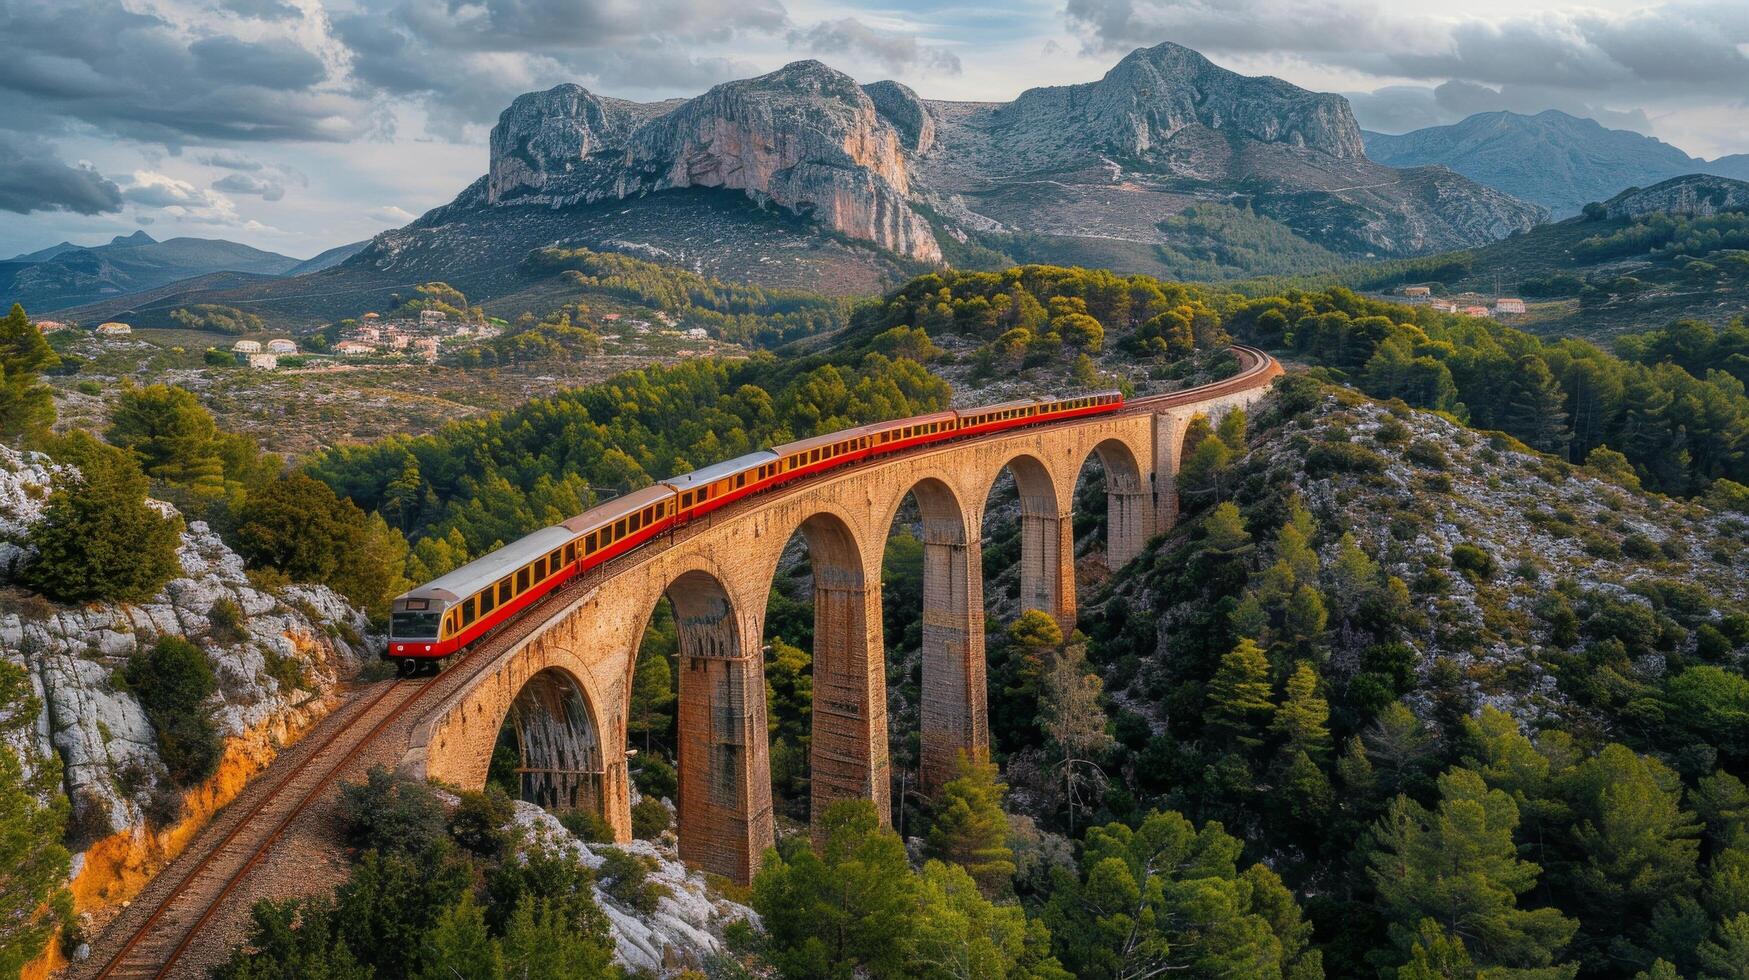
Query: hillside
[[1559, 161], [125, 266], [1646, 257]]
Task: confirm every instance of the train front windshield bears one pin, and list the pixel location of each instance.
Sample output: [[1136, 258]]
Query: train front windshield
[[414, 625]]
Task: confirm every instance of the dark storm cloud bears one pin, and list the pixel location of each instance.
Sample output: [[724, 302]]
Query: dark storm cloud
[[230, 160], [34, 178], [139, 75], [270, 64], [897, 52]]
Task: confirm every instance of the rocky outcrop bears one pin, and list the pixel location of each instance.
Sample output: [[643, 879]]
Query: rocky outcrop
[[276, 658], [1696, 195], [805, 137]]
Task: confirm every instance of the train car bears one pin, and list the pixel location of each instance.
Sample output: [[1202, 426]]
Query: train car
[[442, 616], [616, 527], [901, 434], [1057, 409], [993, 418], [702, 491]]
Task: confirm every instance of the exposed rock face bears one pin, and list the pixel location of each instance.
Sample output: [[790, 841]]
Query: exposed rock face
[[1698, 195], [804, 137], [106, 744], [1088, 165]]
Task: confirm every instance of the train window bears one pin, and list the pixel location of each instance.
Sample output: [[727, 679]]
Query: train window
[[488, 600], [570, 552], [589, 542], [539, 568], [522, 579], [635, 521], [468, 611], [740, 479], [504, 590]]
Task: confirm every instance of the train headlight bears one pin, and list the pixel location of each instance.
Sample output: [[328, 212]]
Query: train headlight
[[427, 648]]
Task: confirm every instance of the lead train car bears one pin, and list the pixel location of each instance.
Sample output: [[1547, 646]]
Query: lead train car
[[445, 615]]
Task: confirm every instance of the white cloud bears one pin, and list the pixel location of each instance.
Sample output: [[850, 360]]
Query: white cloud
[[392, 214]]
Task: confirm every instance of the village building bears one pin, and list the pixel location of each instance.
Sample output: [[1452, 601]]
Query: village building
[[1445, 306], [368, 334], [398, 340], [427, 347], [1508, 304], [114, 328], [697, 333], [260, 361], [432, 316], [51, 326], [1417, 294], [353, 348], [371, 317], [282, 346], [246, 347], [1476, 309]]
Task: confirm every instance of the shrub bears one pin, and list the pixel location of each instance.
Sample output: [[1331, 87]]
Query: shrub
[[626, 877], [1326, 458], [390, 812], [287, 672], [587, 825], [173, 681], [1391, 432], [656, 777], [229, 623], [1425, 452], [1472, 561], [650, 818], [481, 821]]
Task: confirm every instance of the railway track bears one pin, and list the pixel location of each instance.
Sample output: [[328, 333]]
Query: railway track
[[206, 877]]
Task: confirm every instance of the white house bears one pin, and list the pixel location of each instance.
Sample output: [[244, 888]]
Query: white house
[[114, 328], [50, 326], [261, 362], [353, 348], [282, 346], [1508, 304], [246, 347]]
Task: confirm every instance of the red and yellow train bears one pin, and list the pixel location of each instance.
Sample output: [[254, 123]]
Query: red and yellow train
[[457, 609]]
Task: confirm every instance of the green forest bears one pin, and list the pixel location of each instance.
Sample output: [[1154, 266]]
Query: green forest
[[1268, 751]]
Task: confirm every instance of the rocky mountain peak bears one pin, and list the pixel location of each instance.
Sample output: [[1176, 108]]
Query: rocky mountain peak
[[1695, 195]]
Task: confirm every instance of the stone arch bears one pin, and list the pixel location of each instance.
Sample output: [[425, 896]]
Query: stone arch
[[725, 778], [561, 763], [1047, 553], [1129, 510], [953, 710]]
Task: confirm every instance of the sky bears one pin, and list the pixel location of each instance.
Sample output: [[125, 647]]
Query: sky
[[296, 125]]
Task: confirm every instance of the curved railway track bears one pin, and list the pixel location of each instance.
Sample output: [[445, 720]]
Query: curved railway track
[[207, 875]]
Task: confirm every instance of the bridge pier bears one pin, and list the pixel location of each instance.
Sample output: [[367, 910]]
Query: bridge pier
[[1047, 564], [1129, 522], [954, 715], [724, 754], [847, 757]]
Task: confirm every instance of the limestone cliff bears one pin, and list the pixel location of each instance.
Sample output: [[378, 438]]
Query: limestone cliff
[[1696, 195], [805, 137], [276, 668]]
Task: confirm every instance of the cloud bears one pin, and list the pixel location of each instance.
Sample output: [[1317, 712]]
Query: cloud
[[896, 51], [1400, 108], [230, 160], [271, 64], [34, 178], [162, 75], [262, 9], [1674, 49], [173, 197], [391, 214], [266, 189]]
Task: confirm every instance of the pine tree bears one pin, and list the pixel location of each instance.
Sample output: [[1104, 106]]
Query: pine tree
[[1239, 696], [98, 539], [652, 698], [540, 943], [33, 863], [173, 435], [1303, 719], [27, 408], [1535, 408], [1727, 956], [1073, 720], [1459, 866], [1224, 529], [458, 945], [970, 830]]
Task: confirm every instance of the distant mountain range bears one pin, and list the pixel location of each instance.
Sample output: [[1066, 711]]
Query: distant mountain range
[[1559, 161], [68, 275]]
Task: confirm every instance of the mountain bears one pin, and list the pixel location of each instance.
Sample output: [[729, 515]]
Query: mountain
[[1678, 249], [125, 266], [327, 259], [859, 182], [1560, 161]]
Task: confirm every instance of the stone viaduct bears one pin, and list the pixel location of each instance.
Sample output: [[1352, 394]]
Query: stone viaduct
[[566, 686]]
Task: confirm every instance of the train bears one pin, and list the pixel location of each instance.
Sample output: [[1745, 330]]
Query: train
[[458, 609]]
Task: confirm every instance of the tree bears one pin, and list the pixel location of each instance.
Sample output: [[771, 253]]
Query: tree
[[27, 408], [1727, 957], [173, 680], [1303, 719], [1535, 408], [540, 942], [98, 538], [297, 525], [852, 907], [33, 862], [1239, 696], [459, 946], [1224, 529], [292, 940], [1457, 864], [1074, 722], [969, 829], [961, 935], [172, 434], [652, 698]]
